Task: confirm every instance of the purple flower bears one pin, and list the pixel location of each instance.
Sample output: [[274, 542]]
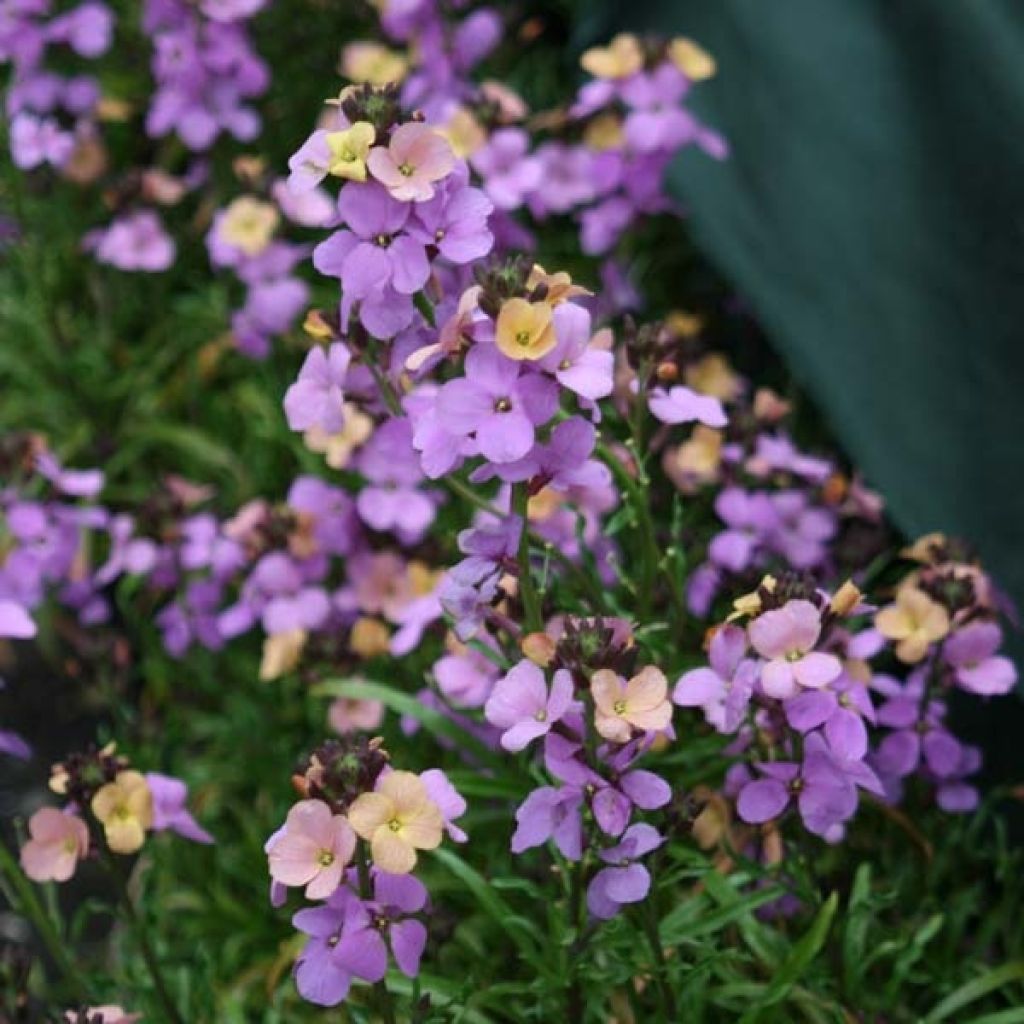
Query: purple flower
[[574, 362], [134, 241], [391, 498], [786, 637], [36, 141], [15, 621], [521, 704], [340, 947], [971, 651], [624, 880], [841, 709], [551, 813], [455, 220], [497, 404], [751, 518], [683, 405], [379, 264], [724, 689], [169, 811], [448, 799], [509, 174], [317, 397]]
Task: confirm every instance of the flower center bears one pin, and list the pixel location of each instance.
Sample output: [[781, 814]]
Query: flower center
[[793, 655], [382, 240], [541, 714], [523, 338], [502, 405], [325, 858], [564, 364], [619, 707], [395, 825], [439, 235], [406, 169]]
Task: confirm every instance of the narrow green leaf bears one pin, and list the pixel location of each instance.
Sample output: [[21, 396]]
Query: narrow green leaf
[[975, 989], [799, 959]]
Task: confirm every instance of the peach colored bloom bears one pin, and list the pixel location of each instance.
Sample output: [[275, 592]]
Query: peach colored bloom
[[312, 849], [282, 653], [621, 58], [397, 820], [373, 63], [125, 809], [57, 842], [620, 707], [346, 715], [525, 330], [915, 621], [413, 160]]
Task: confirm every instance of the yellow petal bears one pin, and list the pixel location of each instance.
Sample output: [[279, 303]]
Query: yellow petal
[[406, 791], [424, 829], [693, 60], [124, 835], [646, 690]]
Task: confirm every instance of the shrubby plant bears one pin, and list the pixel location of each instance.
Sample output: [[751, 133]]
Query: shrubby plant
[[586, 690]]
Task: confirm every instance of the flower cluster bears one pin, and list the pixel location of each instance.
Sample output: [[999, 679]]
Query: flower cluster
[[52, 115], [351, 844], [110, 808], [205, 70]]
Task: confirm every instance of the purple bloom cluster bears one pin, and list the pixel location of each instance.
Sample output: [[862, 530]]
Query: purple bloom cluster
[[205, 69], [50, 113]]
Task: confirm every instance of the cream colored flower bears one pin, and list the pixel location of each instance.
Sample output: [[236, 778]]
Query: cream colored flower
[[248, 224], [621, 58], [124, 808], [915, 621], [525, 330], [620, 706], [349, 150], [693, 60], [397, 820]]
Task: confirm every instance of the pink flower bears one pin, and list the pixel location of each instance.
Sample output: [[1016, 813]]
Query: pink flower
[[416, 157], [785, 637], [57, 843], [347, 715], [312, 849]]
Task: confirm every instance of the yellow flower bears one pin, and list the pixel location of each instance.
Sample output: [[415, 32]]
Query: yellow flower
[[693, 60], [373, 64], [124, 808], [712, 375], [525, 330], [621, 58], [559, 285], [621, 707], [281, 653], [349, 150], [463, 133], [695, 461], [397, 820], [248, 224], [369, 637], [338, 448], [604, 132], [915, 621], [750, 604]]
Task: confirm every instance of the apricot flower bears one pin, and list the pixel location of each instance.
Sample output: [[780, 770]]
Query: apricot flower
[[397, 820], [915, 621], [620, 706], [124, 808]]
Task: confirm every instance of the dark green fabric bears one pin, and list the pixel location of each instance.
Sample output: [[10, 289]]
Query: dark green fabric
[[872, 212]]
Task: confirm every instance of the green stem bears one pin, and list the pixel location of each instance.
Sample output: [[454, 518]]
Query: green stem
[[636, 494], [527, 586], [382, 995], [27, 905], [575, 1002], [650, 926], [142, 937]]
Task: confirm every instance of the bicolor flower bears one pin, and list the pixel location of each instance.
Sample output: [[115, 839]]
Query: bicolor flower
[[415, 158]]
